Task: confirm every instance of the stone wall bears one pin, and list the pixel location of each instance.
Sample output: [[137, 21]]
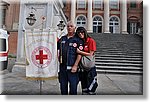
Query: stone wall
[[12, 43]]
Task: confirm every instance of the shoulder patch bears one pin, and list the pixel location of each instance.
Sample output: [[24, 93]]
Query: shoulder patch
[[80, 47]]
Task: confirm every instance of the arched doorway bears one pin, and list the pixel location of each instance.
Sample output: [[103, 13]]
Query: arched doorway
[[133, 25], [114, 24], [97, 24]]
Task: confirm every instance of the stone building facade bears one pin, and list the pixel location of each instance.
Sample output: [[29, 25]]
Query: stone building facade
[[106, 16]]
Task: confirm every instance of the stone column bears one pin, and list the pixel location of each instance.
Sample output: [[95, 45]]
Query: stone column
[[89, 16], [124, 17], [73, 10], [20, 61], [106, 16]]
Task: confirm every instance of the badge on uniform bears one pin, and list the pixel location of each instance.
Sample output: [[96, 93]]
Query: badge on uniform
[[80, 47], [74, 44]]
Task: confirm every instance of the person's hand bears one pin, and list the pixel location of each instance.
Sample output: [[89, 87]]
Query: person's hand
[[74, 69]]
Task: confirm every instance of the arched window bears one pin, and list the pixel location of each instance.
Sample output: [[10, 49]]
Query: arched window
[[81, 21], [97, 24], [114, 25]]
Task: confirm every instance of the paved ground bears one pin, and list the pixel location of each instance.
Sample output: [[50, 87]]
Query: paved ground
[[109, 84]]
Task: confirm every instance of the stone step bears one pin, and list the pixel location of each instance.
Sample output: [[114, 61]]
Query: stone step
[[105, 44], [112, 47], [120, 42], [118, 58], [123, 56], [119, 67], [99, 50], [119, 52], [118, 61], [119, 72], [118, 64]]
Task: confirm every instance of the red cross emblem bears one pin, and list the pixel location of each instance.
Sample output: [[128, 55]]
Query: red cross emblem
[[41, 57]]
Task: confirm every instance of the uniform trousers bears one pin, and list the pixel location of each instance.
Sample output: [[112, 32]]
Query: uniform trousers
[[88, 80], [65, 77]]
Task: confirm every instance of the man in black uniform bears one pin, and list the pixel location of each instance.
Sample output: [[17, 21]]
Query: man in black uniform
[[69, 59]]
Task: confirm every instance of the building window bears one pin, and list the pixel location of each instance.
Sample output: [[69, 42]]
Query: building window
[[114, 4], [98, 4], [3, 16], [97, 24], [133, 4], [132, 27], [114, 25], [81, 4], [81, 21], [3, 10]]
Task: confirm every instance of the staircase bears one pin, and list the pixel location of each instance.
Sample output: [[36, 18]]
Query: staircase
[[119, 53]]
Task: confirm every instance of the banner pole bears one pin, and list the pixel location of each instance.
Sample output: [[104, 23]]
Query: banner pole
[[40, 87]]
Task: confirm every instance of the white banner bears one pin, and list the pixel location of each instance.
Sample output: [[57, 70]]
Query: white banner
[[41, 54]]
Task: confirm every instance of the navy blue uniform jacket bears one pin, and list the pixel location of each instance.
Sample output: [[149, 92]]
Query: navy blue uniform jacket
[[68, 48]]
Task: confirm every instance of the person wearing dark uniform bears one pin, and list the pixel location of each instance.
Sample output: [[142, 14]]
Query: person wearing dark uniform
[[88, 78], [69, 59]]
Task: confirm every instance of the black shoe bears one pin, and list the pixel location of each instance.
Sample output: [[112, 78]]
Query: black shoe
[[91, 93], [85, 91]]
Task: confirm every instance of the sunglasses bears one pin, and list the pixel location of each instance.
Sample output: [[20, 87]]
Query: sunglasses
[[80, 32]]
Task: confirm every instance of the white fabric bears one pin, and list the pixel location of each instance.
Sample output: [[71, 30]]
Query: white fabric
[[69, 67], [41, 54]]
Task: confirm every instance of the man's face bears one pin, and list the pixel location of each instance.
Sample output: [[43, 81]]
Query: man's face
[[70, 28]]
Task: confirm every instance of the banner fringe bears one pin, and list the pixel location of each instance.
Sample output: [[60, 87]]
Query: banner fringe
[[39, 78]]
